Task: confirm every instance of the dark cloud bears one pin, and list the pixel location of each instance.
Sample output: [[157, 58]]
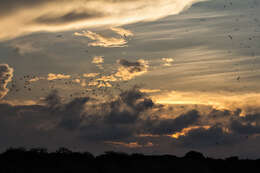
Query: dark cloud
[[67, 18], [244, 128], [213, 137], [132, 66], [170, 126], [123, 119], [9, 6]]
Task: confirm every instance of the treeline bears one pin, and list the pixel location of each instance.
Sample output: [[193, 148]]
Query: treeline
[[39, 160]]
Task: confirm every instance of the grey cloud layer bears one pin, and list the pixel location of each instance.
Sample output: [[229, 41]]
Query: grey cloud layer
[[27, 16], [130, 117]]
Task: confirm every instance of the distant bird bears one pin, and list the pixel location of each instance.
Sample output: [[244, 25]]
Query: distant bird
[[230, 37], [238, 78]]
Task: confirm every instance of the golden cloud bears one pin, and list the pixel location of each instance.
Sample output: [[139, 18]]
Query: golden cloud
[[128, 70], [52, 76], [90, 75], [98, 60], [130, 144], [102, 41], [6, 75], [167, 61], [123, 32], [247, 102], [20, 18], [185, 131], [150, 90]]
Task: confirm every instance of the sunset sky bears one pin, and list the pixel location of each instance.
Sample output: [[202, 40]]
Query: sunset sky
[[156, 77]]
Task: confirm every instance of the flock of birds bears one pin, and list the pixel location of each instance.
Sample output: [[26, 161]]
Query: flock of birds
[[25, 85], [243, 45]]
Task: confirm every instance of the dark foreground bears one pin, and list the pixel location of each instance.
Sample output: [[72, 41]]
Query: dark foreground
[[65, 161]]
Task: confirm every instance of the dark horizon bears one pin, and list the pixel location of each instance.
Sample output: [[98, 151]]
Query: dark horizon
[[39, 160], [137, 76]]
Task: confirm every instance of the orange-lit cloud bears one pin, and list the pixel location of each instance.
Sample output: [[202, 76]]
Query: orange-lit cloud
[[185, 131], [6, 75], [35, 79], [90, 75], [102, 41], [167, 61], [220, 100], [150, 90], [98, 60], [43, 15], [52, 76], [110, 78], [128, 70], [123, 32], [130, 144]]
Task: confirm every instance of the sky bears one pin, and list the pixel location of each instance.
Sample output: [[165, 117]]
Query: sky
[[156, 77]]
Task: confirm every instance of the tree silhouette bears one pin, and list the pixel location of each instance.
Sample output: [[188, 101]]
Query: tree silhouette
[[39, 160]]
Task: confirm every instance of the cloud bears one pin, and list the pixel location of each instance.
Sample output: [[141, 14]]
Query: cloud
[[52, 76], [98, 60], [123, 32], [102, 41], [36, 79], [150, 90], [110, 78], [219, 100], [171, 126], [167, 61], [245, 128], [128, 120], [25, 47], [128, 70], [25, 17], [6, 75], [185, 131], [130, 144], [90, 75], [100, 84], [208, 137]]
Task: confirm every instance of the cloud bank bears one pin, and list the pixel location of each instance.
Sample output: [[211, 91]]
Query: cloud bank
[[28, 16], [128, 120]]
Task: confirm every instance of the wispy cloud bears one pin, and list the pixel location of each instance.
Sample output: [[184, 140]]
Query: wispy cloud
[[218, 100], [130, 144], [150, 90], [52, 76], [43, 15], [90, 75], [35, 79], [102, 41], [24, 47], [167, 61], [123, 32]]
